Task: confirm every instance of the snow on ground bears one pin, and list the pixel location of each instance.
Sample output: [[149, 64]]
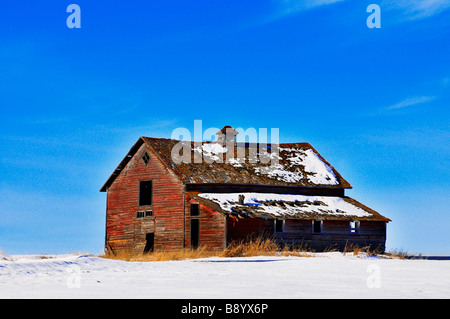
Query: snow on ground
[[326, 275]]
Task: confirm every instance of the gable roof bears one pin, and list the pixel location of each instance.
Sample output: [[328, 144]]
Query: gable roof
[[299, 164]]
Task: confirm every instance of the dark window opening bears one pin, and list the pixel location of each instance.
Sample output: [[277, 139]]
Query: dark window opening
[[146, 158], [140, 214], [195, 233], [145, 193], [317, 226], [149, 242], [279, 225], [148, 213], [195, 209]]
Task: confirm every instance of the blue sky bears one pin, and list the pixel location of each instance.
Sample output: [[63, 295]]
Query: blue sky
[[373, 102]]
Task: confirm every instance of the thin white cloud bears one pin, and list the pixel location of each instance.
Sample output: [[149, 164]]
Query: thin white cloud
[[410, 102], [288, 7], [416, 9]]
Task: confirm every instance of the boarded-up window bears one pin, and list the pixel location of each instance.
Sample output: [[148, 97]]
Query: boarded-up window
[[145, 193]]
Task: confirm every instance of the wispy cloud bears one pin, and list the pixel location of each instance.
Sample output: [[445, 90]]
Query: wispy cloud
[[410, 102], [288, 7], [417, 9]]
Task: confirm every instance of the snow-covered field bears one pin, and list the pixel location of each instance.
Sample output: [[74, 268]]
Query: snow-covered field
[[326, 275]]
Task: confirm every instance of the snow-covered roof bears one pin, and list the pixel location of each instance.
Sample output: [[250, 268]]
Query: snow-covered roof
[[286, 206], [297, 164]]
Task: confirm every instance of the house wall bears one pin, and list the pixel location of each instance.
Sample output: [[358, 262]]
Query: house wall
[[124, 231], [248, 228], [299, 233], [211, 226]]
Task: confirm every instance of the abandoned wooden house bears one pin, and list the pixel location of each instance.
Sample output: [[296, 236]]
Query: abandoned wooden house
[[156, 202]]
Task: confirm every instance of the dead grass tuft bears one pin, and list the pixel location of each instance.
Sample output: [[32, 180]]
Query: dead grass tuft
[[397, 254], [257, 247]]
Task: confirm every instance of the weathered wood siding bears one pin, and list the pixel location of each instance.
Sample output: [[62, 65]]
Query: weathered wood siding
[[123, 229], [335, 235], [247, 228], [211, 226], [299, 233]]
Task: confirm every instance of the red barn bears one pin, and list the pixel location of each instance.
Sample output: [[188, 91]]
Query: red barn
[[162, 198]]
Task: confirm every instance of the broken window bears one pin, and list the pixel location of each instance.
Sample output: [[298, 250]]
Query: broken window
[[145, 193], [279, 225], [195, 211], [354, 227], [317, 226], [146, 158]]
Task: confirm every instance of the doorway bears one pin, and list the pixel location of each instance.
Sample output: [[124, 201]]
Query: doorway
[[149, 242], [195, 233]]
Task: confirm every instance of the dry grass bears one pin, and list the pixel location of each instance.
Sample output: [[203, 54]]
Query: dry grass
[[201, 252], [256, 247], [398, 254]]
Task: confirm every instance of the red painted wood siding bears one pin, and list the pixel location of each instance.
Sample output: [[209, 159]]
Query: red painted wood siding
[[212, 226], [123, 229]]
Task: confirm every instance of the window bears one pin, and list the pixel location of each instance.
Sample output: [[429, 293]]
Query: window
[[279, 225], [148, 213], [146, 158], [145, 193], [354, 227], [142, 214], [195, 211], [317, 226]]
